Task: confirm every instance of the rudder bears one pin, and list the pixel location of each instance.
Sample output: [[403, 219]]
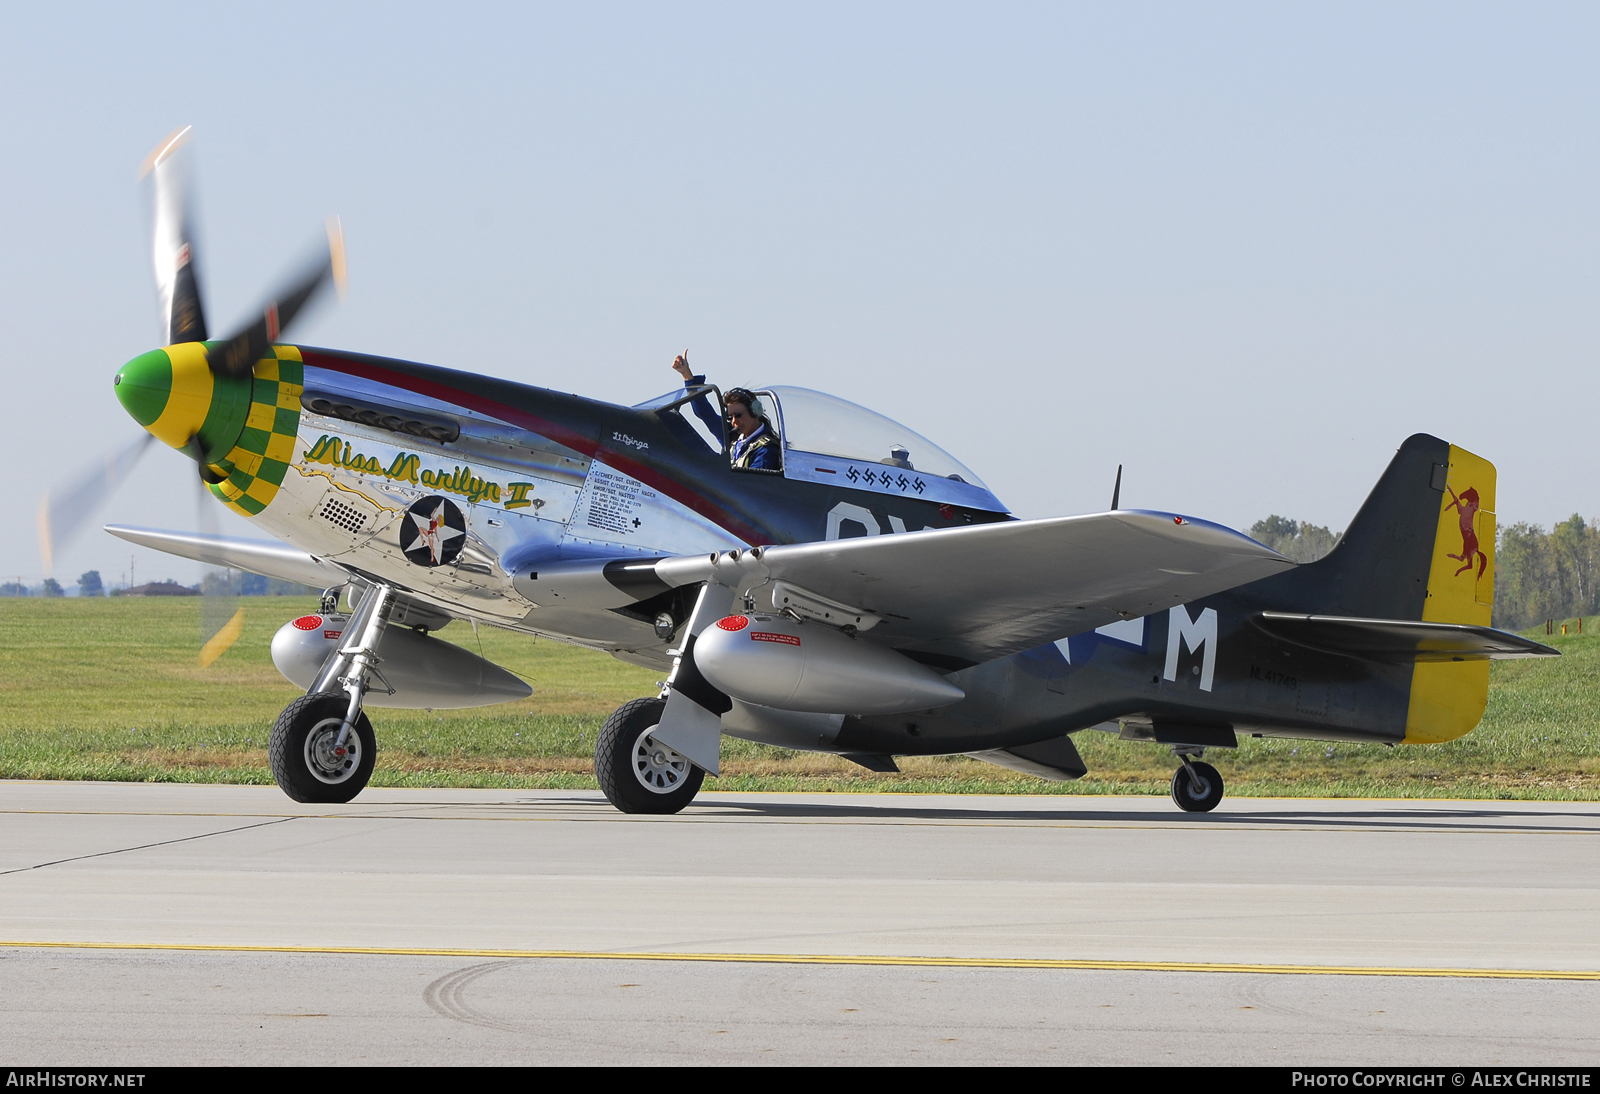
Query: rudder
[[1448, 699]]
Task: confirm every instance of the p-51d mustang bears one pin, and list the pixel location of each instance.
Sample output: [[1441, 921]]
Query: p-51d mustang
[[869, 598]]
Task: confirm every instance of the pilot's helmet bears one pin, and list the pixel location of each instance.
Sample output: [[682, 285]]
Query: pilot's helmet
[[748, 398]]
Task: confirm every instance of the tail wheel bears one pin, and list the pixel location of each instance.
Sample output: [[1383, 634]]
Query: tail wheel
[[638, 773], [1197, 799], [308, 760]]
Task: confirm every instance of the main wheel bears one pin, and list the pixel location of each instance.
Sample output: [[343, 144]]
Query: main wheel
[[1183, 792], [637, 773], [306, 760]]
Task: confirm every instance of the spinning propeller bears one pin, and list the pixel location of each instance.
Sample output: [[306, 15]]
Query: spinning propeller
[[182, 311], [194, 395]]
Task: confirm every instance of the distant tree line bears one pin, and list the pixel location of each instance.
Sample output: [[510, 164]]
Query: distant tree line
[[50, 587], [88, 585], [1538, 575], [235, 583], [1294, 539], [230, 583], [1541, 575]]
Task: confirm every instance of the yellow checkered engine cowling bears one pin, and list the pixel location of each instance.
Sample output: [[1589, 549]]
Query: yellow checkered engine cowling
[[253, 470]]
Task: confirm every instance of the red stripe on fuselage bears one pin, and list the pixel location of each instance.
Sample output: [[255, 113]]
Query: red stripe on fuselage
[[534, 423]]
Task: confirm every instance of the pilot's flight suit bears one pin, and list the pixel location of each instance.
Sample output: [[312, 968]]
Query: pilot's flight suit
[[758, 452]]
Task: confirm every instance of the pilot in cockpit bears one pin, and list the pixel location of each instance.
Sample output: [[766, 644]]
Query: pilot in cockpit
[[755, 448]]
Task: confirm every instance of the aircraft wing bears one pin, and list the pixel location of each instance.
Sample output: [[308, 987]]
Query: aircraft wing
[[268, 558], [985, 591], [960, 596]]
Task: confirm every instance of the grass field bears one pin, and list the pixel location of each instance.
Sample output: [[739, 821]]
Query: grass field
[[110, 689]]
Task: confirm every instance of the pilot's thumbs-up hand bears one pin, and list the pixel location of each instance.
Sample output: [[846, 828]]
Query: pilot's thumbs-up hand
[[681, 366]]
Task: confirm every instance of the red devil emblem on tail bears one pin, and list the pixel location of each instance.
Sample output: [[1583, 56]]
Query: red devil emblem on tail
[[1468, 505]]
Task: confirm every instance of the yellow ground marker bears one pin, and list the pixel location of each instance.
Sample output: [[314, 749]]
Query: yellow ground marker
[[849, 959]]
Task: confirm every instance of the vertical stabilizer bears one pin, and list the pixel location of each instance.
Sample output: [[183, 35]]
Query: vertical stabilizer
[[1420, 548]]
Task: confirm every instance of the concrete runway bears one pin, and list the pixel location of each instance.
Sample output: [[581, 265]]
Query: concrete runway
[[172, 923]]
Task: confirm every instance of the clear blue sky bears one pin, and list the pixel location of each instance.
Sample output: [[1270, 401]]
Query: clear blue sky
[[1243, 249]]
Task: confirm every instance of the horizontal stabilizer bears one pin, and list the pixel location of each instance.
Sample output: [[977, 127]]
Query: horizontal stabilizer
[[257, 556], [1401, 641]]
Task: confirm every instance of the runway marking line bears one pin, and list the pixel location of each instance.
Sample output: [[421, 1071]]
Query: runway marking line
[[846, 959]]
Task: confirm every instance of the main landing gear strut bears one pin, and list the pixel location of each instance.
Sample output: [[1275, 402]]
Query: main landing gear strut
[[322, 747], [1196, 786], [639, 772]]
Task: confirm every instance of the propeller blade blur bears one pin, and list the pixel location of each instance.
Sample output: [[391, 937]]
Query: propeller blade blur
[[65, 511], [219, 643], [238, 355], [221, 616], [183, 316]]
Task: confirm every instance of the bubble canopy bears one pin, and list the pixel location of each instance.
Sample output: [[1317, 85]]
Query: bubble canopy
[[813, 421]]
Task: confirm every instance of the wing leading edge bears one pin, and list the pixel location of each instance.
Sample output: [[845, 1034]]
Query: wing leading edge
[[256, 556], [985, 591]]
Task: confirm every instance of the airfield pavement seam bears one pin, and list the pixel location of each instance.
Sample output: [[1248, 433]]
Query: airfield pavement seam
[[846, 959], [1243, 824], [145, 846]]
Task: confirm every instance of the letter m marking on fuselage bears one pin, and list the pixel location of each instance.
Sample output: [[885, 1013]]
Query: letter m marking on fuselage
[[1194, 633]]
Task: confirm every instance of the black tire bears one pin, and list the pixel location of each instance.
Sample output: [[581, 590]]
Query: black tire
[[307, 772], [637, 774], [1210, 784]]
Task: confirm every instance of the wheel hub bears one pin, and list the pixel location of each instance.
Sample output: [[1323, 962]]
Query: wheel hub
[[327, 761], [658, 768]]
